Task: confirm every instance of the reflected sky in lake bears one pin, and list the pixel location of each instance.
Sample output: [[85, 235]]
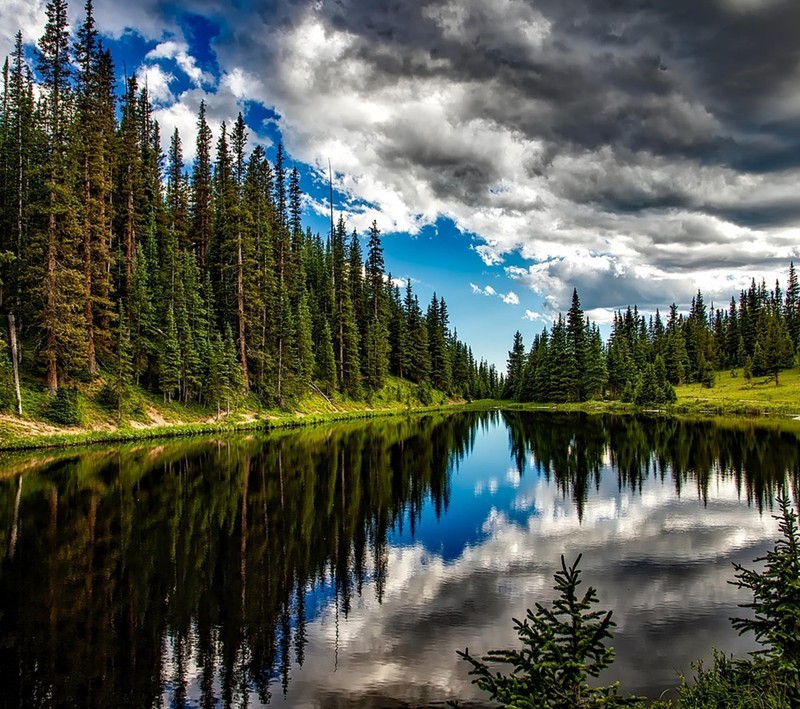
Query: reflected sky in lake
[[660, 561], [344, 566]]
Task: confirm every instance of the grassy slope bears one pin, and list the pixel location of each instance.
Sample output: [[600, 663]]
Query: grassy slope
[[732, 394], [150, 416]]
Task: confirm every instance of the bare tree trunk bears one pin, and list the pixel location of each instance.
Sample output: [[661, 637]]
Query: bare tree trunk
[[240, 305], [12, 343], [91, 360], [51, 375]]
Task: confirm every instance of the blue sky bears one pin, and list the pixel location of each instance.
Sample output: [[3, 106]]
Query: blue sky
[[511, 150]]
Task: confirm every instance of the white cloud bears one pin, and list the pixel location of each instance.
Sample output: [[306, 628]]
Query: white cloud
[[27, 16], [157, 81], [415, 139], [179, 52], [510, 298], [533, 316]]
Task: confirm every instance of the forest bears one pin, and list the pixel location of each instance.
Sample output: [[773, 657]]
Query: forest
[[198, 283], [645, 357]]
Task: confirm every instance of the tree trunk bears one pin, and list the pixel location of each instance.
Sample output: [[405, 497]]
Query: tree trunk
[[240, 307], [12, 343], [91, 361], [51, 375]]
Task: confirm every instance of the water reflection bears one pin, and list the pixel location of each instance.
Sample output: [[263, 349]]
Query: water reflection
[[344, 565]]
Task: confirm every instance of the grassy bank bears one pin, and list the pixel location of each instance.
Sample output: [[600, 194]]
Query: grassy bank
[[148, 416], [151, 417], [732, 394]]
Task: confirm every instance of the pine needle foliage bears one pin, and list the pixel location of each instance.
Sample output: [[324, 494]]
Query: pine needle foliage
[[562, 647], [776, 601]]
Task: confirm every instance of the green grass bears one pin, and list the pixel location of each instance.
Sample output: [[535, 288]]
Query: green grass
[[148, 416], [733, 394]]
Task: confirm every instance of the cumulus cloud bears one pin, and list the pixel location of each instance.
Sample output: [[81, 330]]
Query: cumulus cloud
[[533, 316], [179, 51], [639, 135], [157, 81], [26, 16], [639, 152], [510, 298]]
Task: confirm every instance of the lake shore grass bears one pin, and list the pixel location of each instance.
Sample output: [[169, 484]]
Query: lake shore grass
[[151, 418], [732, 399]]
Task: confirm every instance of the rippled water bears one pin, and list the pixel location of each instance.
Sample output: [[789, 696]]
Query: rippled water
[[345, 565]]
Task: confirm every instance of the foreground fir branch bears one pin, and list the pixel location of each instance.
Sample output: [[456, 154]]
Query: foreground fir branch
[[562, 647]]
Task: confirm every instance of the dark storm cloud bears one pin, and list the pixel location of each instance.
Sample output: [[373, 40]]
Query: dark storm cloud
[[661, 136], [611, 72]]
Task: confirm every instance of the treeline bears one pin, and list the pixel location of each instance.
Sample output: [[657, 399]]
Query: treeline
[[199, 284], [646, 356]]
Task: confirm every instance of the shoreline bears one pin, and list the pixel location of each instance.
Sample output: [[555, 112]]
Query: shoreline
[[236, 422], [64, 437]]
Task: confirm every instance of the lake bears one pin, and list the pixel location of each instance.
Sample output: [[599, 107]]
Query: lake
[[344, 565]]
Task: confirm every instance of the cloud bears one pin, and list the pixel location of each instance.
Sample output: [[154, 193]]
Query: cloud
[[636, 151], [381, 645], [661, 139], [157, 82], [533, 316], [26, 16], [510, 298], [179, 52]]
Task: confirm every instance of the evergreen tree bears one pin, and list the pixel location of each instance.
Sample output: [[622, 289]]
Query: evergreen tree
[[514, 369], [377, 331], [773, 347], [576, 349], [169, 358], [202, 191], [59, 290], [441, 365]]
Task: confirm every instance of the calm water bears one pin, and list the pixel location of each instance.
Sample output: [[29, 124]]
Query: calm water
[[344, 566]]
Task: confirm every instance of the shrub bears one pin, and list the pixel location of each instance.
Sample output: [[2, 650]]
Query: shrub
[[64, 408], [776, 602], [562, 647]]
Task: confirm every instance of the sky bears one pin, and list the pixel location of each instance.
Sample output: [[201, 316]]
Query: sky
[[509, 150]]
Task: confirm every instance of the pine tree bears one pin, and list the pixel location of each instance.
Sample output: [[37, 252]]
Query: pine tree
[[377, 331], [60, 291], [791, 307], [514, 370], [129, 197], [243, 244], [202, 191], [441, 366], [576, 349], [595, 372], [169, 358], [773, 347], [19, 131]]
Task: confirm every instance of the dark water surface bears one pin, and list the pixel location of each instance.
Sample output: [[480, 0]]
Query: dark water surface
[[345, 565]]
